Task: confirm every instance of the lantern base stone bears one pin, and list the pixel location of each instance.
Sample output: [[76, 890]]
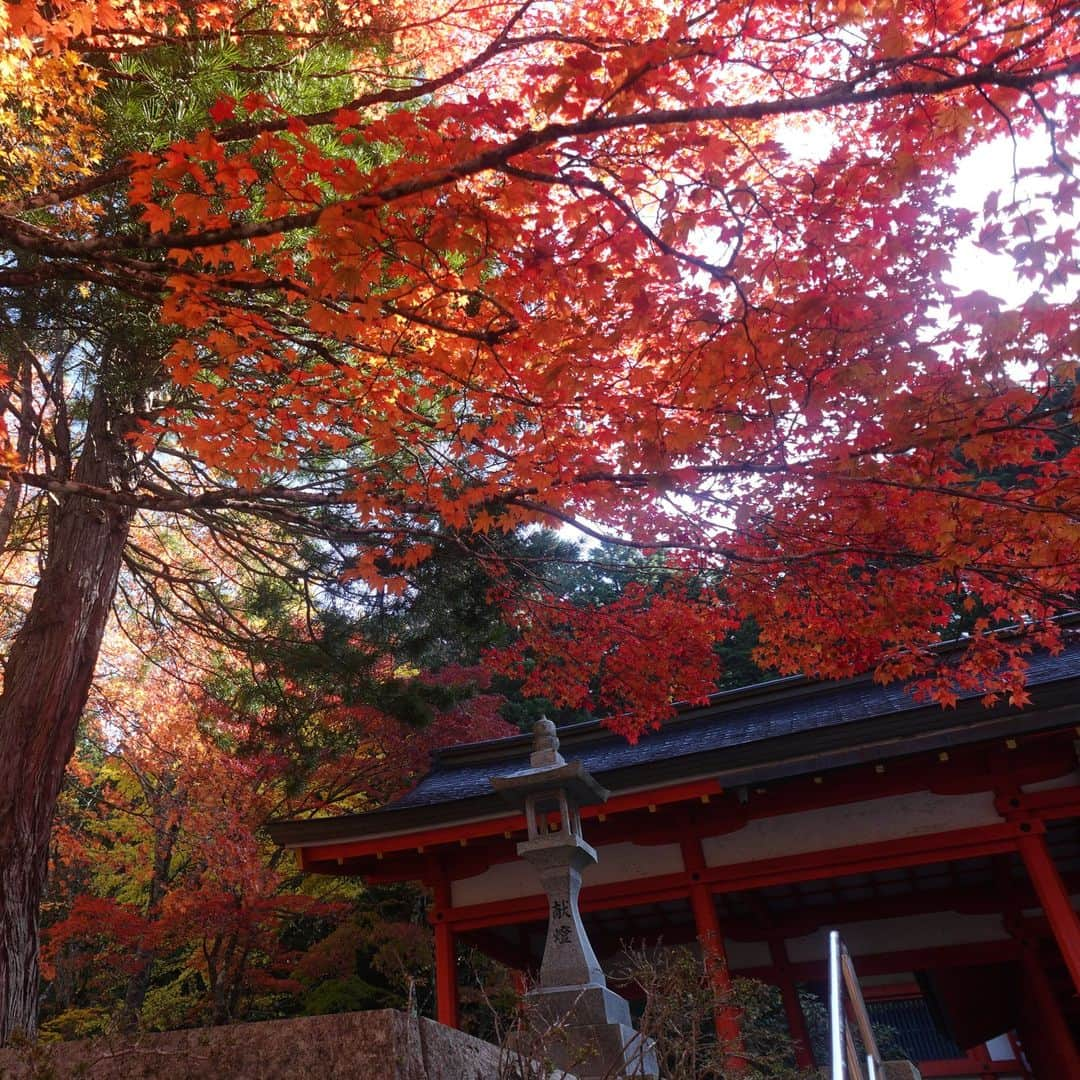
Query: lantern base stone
[[587, 1032], [573, 1006], [601, 1052]]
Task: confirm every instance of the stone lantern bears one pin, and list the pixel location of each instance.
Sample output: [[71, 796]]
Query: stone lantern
[[573, 994]]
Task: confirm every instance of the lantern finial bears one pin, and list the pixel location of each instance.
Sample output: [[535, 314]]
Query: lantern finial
[[545, 751]]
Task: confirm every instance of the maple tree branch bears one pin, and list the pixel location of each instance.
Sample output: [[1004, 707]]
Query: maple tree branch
[[960, 492], [576, 180], [57, 196], [732, 554], [486, 337], [495, 158], [235, 498], [239, 132], [137, 284]]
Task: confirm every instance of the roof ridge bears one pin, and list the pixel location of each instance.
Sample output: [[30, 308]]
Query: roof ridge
[[584, 731]]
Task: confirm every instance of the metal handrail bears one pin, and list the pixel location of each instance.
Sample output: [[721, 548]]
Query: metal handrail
[[844, 986]]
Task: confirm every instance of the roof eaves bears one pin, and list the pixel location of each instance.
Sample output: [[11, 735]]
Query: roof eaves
[[877, 738]]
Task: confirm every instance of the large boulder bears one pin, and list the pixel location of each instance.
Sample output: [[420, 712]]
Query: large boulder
[[378, 1045]]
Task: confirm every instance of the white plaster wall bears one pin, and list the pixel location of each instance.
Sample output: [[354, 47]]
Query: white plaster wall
[[915, 814], [627, 861], [1000, 1048], [503, 881], [1070, 779], [617, 862], [831, 827], [907, 932]]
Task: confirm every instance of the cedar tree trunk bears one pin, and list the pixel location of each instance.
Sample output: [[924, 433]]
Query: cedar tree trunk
[[46, 682]]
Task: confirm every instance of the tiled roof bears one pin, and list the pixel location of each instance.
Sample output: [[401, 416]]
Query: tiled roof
[[769, 711], [786, 727]]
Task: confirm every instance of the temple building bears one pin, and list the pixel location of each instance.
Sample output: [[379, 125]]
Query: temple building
[[942, 843]]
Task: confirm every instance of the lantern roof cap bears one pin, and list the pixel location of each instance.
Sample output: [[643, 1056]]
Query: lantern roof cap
[[572, 777], [549, 771], [545, 746]]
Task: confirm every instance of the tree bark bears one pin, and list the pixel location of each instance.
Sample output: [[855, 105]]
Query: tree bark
[[165, 835], [219, 985], [46, 682]]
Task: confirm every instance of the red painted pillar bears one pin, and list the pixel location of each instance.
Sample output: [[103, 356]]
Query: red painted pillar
[[711, 941], [789, 992], [446, 980], [1019, 1057], [1054, 899], [1043, 1032], [979, 1058]]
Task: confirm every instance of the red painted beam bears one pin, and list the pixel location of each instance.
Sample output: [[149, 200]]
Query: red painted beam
[[970, 900], [412, 841], [892, 992], [962, 1068], [609, 943], [863, 858], [1044, 1033], [446, 985], [1049, 805], [789, 994], [890, 963], [911, 851], [711, 940], [1053, 898], [313, 855], [446, 973], [593, 898], [696, 808]]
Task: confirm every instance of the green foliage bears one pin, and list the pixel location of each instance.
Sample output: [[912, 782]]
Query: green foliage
[[351, 994], [737, 653], [171, 1003], [78, 1023], [165, 94]]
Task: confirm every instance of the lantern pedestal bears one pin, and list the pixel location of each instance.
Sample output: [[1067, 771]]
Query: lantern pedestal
[[587, 1025]]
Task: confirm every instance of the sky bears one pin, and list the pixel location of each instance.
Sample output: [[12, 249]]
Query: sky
[[991, 167]]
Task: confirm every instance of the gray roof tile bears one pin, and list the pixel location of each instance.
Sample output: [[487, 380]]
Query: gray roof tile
[[774, 710]]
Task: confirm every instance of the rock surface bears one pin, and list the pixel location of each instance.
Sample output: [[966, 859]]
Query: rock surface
[[378, 1045], [900, 1070]]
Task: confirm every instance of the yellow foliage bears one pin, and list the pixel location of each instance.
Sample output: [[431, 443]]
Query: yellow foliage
[[48, 130]]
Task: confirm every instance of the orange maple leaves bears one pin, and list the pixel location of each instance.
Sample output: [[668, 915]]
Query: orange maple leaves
[[575, 264], [632, 658], [170, 858]]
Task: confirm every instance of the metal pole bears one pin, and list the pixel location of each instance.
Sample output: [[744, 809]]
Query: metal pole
[[838, 1070]]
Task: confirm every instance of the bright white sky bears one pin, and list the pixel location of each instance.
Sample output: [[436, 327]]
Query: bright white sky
[[990, 167]]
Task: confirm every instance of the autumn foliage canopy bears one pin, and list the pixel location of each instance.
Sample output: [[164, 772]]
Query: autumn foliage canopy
[[676, 277], [168, 904]]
